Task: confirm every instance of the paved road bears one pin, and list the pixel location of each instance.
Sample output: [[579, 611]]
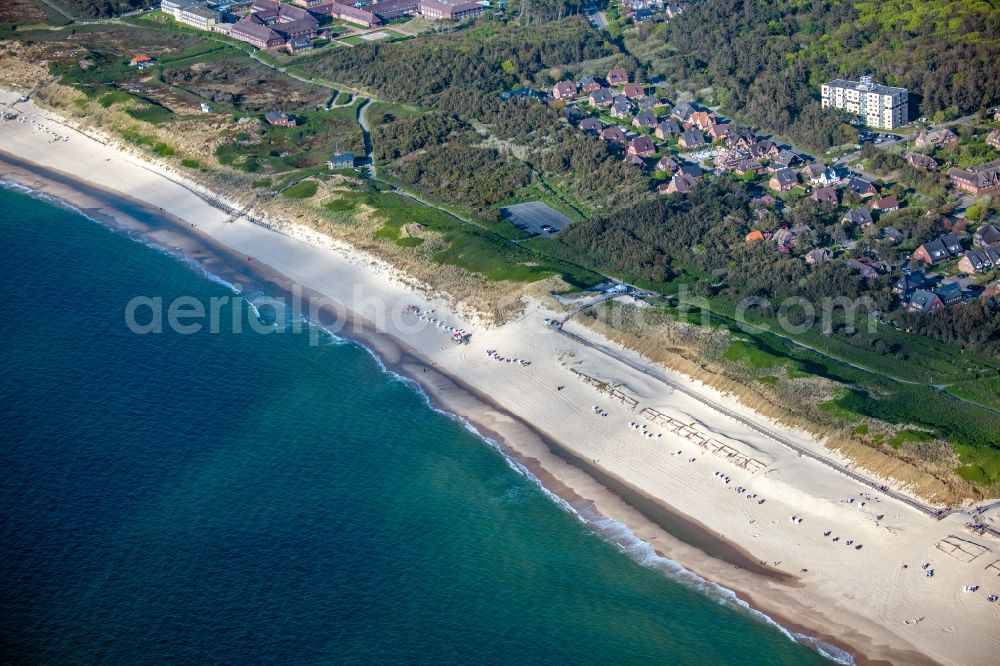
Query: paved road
[[651, 371], [598, 20], [367, 136]]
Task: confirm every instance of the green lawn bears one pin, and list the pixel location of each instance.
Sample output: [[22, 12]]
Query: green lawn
[[469, 246], [301, 190]]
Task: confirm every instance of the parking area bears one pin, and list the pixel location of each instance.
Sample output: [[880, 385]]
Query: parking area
[[535, 218]]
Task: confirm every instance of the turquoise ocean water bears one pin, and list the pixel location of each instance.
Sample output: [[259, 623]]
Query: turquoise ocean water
[[238, 499]]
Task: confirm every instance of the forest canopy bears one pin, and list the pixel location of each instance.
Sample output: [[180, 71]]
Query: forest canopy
[[766, 60]]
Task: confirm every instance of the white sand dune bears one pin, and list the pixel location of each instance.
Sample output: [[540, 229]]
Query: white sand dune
[[865, 600]]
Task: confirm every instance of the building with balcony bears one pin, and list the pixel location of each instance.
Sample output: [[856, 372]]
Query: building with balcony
[[875, 105]]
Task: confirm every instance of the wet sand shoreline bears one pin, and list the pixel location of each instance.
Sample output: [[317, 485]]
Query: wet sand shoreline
[[444, 391], [543, 447]]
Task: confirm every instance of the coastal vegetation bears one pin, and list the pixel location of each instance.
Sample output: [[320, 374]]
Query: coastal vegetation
[[442, 132], [764, 61]]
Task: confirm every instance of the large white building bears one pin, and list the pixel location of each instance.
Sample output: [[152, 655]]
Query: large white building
[[192, 12], [875, 105]]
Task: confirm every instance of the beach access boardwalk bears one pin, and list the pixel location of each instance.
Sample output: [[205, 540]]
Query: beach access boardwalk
[[650, 371]]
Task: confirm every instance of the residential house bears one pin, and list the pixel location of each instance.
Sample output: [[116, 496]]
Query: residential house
[[691, 139], [683, 111], [681, 183], [642, 146], [952, 243], [601, 97], [692, 170], [140, 61], [857, 217], [644, 119], [718, 132], [280, 119], [938, 250], [783, 180], [702, 119], [925, 302], [820, 175], [920, 161], [589, 84], [825, 196], [635, 160], [885, 205], [980, 179], [865, 268], [614, 135], [784, 238], [634, 90], [667, 128], [299, 44], [862, 187], [740, 138], [649, 103], [666, 163], [617, 77], [892, 234], [675, 9], [591, 125], [744, 166], [819, 255], [985, 235], [785, 159], [755, 236], [906, 285], [950, 294], [935, 138], [341, 161], [622, 107], [993, 139], [564, 90], [763, 150], [980, 261]]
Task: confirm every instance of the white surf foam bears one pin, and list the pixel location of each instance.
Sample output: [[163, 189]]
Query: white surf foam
[[612, 530]]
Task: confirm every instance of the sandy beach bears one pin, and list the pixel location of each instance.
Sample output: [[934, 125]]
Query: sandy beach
[[822, 553]]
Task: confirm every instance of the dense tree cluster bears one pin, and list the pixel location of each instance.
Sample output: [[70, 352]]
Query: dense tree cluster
[[392, 138], [975, 325], [767, 59], [884, 163], [703, 234], [592, 173], [464, 175], [484, 60], [104, 8]]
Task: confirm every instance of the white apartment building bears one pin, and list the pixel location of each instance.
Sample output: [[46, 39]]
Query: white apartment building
[[192, 12], [199, 17], [176, 7], [875, 105]]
